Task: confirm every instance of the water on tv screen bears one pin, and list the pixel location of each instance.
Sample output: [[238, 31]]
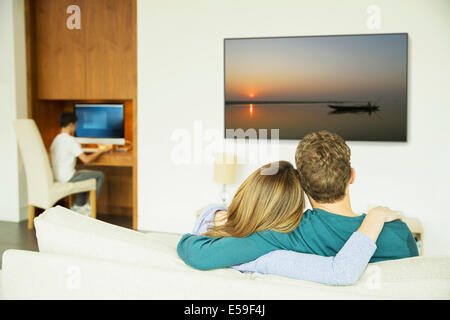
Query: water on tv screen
[[353, 85]]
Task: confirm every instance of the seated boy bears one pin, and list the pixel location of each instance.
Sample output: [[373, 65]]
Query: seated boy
[[65, 149], [323, 162]]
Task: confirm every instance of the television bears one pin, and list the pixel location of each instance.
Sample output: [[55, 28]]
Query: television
[[100, 123], [353, 85]]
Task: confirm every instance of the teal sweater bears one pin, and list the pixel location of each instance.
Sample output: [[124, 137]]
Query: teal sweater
[[319, 232]]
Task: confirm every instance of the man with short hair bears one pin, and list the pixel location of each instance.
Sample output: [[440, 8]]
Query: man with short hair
[[65, 150], [323, 162]]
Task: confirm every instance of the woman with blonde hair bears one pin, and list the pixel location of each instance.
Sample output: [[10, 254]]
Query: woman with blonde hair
[[276, 202], [263, 202]]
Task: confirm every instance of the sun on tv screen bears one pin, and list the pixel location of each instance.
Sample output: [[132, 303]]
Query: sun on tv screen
[[353, 85]]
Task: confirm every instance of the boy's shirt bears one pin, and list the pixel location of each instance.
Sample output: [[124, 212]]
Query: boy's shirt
[[64, 150], [319, 232]]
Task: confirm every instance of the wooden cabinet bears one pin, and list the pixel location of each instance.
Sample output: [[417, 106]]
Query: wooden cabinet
[[110, 49], [60, 53], [97, 61]]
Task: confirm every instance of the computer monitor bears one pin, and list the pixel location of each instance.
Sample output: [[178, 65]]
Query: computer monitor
[[100, 124]]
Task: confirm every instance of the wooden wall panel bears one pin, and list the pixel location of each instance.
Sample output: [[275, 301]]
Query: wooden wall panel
[[111, 49], [128, 121], [98, 61], [30, 39], [60, 52], [46, 117]]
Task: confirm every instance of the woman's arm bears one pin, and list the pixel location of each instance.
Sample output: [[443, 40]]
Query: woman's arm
[[343, 269]]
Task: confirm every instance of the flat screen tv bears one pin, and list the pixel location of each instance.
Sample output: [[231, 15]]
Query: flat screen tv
[[100, 123], [353, 85]]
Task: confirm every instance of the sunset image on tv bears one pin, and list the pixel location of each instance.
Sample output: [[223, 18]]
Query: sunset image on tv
[[353, 85]]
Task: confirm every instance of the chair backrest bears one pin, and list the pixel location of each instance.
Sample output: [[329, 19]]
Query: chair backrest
[[37, 165]]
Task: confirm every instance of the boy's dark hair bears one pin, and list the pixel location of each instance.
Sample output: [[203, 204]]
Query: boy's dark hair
[[67, 118]]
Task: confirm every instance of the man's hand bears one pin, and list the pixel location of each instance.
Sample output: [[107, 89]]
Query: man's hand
[[88, 158], [105, 147]]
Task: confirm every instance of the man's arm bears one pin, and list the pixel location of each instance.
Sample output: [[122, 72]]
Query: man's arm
[[395, 242], [205, 220], [88, 158]]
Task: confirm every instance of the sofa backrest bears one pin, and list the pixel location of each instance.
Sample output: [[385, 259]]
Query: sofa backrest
[[62, 231]]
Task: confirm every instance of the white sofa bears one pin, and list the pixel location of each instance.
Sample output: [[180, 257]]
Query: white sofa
[[84, 258]]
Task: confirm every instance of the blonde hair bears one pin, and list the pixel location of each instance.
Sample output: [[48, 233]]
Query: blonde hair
[[264, 202], [323, 162]]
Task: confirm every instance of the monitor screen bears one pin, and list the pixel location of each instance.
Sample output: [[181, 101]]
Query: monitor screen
[[99, 120], [353, 85]]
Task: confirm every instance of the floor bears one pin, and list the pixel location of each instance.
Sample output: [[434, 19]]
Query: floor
[[17, 236]]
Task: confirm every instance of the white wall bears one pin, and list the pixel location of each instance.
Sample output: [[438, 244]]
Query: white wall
[[180, 81], [13, 201]]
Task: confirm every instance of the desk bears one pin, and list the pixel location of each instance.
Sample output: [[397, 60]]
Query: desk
[[113, 159], [117, 194]]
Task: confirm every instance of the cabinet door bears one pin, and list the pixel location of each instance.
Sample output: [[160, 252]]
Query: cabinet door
[[60, 51], [111, 49]]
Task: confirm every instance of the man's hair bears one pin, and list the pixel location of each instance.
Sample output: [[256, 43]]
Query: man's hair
[[66, 118], [323, 163]]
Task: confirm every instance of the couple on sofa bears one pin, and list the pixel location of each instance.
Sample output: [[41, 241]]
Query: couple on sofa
[[265, 229]]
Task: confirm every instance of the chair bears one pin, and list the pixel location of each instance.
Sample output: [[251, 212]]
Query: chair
[[43, 191]]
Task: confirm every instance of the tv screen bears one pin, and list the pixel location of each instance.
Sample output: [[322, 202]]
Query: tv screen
[[353, 85], [99, 120]]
